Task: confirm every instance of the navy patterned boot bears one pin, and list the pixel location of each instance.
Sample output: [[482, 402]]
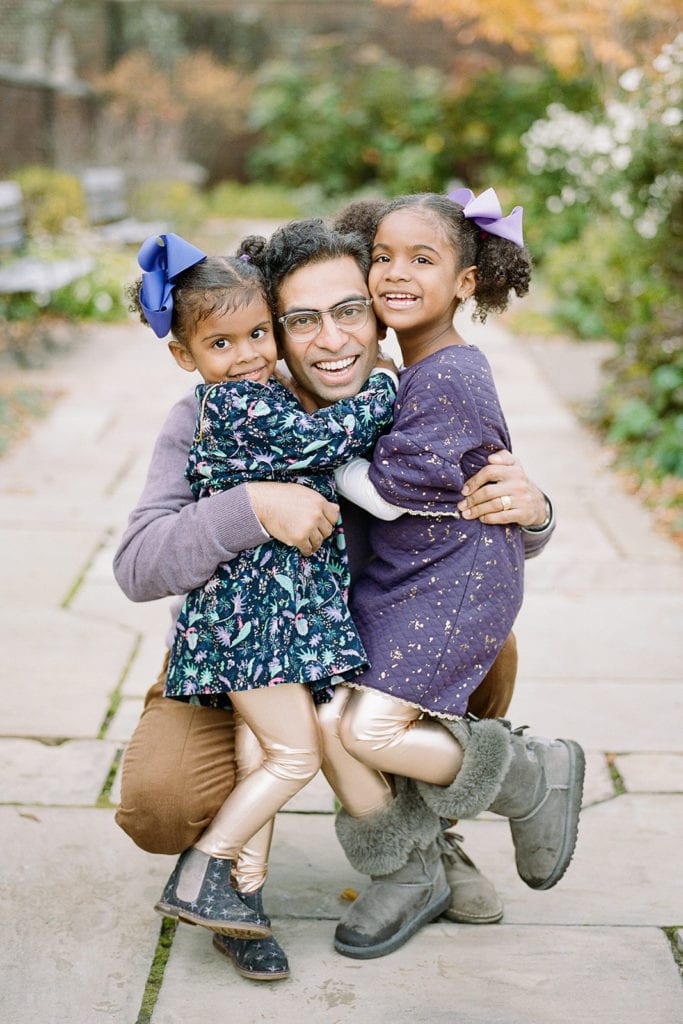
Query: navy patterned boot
[[199, 892], [258, 959]]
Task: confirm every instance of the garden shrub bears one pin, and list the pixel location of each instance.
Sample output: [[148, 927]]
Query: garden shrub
[[53, 200]]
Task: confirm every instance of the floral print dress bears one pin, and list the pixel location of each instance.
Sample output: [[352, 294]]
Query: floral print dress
[[272, 615]]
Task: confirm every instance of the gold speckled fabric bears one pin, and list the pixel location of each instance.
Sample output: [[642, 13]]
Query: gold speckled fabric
[[438, 601]]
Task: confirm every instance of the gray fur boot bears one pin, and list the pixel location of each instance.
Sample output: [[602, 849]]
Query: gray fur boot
[[398, 848], [537, 783]]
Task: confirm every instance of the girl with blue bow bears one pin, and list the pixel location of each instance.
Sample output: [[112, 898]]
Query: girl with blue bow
[[271, 629]]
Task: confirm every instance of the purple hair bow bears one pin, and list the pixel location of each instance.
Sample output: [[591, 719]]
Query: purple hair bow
[[162, 258], [486, 213]]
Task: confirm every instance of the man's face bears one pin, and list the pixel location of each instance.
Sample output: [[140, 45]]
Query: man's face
[[335, 363]]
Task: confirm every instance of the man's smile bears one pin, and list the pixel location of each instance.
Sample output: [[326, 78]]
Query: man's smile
[[336, 365]]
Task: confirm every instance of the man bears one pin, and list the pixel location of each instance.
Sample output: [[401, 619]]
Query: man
[[179, 765]]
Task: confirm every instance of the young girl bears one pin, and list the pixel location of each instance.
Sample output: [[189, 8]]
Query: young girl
[[439, 599], [271, 619]]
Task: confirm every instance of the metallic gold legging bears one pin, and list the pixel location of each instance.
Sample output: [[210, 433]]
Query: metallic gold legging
[[366, 733], [284, 723]]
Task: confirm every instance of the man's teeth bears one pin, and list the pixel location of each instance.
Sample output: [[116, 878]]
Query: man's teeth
[[338, 364]]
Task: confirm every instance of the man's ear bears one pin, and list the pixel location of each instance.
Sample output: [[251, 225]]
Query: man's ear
[[182, 356], [466, 283]]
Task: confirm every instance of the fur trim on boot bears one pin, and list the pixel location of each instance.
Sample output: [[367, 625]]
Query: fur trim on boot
[[381, 843], [487, 752]]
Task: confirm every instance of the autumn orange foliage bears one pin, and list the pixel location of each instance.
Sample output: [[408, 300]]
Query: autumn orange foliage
[[571, 34]]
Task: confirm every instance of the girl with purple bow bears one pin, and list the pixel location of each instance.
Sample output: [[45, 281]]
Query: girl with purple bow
[[439, 598], [271, 628]]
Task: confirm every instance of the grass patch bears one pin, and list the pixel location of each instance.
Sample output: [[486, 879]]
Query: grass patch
[[675, 937], [615, 775], [156, 971]]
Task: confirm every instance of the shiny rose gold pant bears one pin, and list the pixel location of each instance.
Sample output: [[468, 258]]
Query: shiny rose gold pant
[[179, 766]]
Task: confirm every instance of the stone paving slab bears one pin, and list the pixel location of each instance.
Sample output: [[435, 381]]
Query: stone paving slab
[[446, 974], [610, 716], [71, 773], [78, 895], [552, 573], [651, 773], [602, 635], [41, 565], [625, 871], [59, 672]]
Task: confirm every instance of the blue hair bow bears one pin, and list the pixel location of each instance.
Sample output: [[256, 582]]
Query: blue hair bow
[[162, 258], [486, 212]]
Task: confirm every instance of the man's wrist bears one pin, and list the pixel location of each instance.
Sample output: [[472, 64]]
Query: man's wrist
[[547, 522]]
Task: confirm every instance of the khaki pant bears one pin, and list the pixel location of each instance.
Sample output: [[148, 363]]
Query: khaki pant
[[180, 763]]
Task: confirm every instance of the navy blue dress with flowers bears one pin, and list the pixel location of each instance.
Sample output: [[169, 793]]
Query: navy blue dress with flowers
[[272, 615]]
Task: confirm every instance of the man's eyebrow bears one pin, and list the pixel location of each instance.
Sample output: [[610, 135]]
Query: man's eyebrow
[[311, 309]]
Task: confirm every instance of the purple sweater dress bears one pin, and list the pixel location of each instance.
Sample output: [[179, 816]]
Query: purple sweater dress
[[438, 601]]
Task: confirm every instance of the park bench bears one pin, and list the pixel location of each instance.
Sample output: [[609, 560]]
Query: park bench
[[107, 209], [28, 274]]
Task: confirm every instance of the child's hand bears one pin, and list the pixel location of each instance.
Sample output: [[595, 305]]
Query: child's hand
[[385, 362]]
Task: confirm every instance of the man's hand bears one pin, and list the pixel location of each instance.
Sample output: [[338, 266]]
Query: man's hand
[[296, 515], [502, 493]]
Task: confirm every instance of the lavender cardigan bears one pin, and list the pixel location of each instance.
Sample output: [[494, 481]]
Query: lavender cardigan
[[173, 543]]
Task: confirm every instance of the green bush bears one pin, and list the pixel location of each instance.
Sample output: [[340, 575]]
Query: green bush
[[52, 200], [614, 178], [177, 204], [375, 122], [97, 296], [605, 283], [232, 199]]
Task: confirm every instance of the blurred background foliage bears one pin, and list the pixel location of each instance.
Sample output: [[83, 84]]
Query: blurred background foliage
[[571, 108]]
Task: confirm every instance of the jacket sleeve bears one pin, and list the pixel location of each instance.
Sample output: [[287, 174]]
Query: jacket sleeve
[[536, 538], [173, 543]]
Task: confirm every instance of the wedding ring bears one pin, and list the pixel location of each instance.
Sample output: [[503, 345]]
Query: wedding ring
[[506, 502]]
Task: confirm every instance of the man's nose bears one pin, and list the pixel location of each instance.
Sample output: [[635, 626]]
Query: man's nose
[[331, 335]]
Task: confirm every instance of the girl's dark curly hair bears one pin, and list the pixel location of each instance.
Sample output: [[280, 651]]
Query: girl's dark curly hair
[[502, 266], [298, 244], [219, 284]]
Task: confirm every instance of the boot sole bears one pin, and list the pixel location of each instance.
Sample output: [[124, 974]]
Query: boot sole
[[577, 770], [429, 913], [459, 918], [233, 929], [253, 975]]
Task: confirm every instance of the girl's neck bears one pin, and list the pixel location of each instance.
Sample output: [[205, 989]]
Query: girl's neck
[[418, 345]]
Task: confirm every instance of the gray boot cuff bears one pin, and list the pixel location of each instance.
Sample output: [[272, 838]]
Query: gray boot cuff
[[487, 755], [381, 843]]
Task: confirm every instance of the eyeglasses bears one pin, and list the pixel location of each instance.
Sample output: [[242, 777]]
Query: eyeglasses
[[306, 324]]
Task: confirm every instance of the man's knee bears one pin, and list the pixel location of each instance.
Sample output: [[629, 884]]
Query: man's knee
[[493, 696], [177, 772]]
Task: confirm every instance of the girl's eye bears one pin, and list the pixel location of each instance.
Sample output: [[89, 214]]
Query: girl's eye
[[221, 343], [258, 333], [381, 259]]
